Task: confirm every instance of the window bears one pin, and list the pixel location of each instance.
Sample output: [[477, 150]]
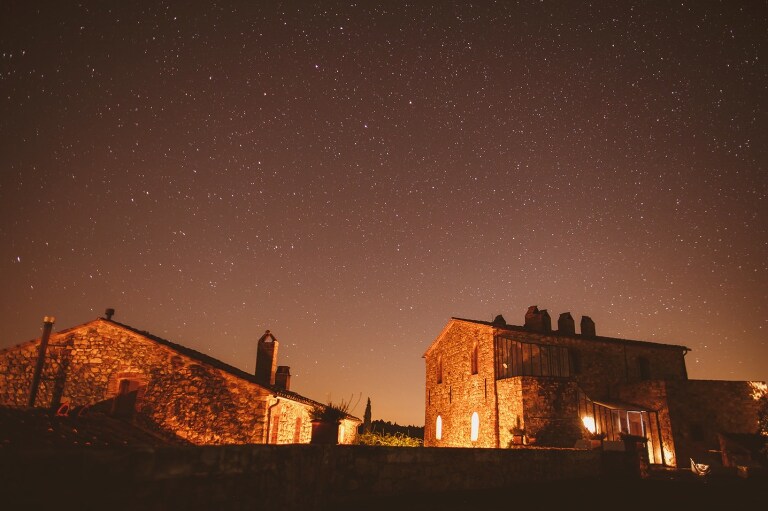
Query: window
[[475, 428], [124, 403], [274, 436], [473, 358], [440, 369], [439, 428], [297, 431], [644, 368], [517, 358]]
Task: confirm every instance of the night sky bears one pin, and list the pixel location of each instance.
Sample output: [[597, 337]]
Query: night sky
[[351, 175]]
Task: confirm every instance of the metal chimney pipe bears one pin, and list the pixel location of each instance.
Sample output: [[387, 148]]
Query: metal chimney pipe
[[47, 326]]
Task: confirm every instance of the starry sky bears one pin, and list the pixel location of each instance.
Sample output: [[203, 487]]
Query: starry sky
[[350, 175]]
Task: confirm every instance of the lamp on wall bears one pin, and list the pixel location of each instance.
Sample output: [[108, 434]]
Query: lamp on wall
[[589, 423]]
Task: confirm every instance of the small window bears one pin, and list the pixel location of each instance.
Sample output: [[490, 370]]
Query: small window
[[275, 433], [475, 430], [473, 358], [341, 433], [439, 428], [440, 369], [644, 368], [297, 431]]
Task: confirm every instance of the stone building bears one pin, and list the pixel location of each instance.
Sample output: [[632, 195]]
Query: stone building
[[490, 384], [175, 391]]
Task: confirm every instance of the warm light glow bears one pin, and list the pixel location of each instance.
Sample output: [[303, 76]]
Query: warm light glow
[[341, 433], [759, 389], [475, 427], [439, 428], [589, 423]]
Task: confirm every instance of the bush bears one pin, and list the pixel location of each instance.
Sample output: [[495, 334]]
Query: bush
[[385, 439]]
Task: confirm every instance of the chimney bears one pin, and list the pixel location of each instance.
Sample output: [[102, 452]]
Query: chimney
[[266, 359], [499, 321], [587, 326], [108, 314], [538, 320], [48, 322], [566, 324], [283, 378]]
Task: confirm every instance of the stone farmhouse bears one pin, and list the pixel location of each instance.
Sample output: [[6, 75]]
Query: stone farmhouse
[[490, 384], [106, 366]]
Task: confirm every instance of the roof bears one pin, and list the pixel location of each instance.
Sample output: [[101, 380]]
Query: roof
[[40, 428], [206, 359], [522, 329]]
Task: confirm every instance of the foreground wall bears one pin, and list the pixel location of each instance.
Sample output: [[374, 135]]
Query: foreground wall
[[274, 477]]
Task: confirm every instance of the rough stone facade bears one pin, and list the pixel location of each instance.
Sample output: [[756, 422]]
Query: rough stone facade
[[285, 477], [485, 379], [108, 366]]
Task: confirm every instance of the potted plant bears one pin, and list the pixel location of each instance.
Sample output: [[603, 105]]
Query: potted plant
[[325, 422], [518, 433], [596, 440]]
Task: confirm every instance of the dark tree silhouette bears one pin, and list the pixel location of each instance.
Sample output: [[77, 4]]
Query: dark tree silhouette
[[367, 417]]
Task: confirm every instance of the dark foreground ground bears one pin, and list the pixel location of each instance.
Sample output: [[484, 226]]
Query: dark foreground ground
[[682, 491], [679, 491]]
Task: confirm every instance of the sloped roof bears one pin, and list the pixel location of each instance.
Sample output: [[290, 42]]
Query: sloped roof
[[522, 329]]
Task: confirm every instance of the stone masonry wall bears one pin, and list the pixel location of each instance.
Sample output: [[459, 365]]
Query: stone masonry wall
[[703, 408], [461, 393], [551, 412], [191, 399], [289, 477]]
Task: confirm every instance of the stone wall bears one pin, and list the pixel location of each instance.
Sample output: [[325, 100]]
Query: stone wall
[[457, 393], [197, 401], [274, 477], [700, 409]]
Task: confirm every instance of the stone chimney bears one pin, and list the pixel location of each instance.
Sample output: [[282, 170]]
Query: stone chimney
[[566, 324], [283, 378], [587, 326], [266, 359], [538, 320]]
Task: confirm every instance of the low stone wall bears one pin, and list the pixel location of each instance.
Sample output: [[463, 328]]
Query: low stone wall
[[276, 477]]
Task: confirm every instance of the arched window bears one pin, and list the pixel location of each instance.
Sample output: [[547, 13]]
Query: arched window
[[473, 358], [475, 431], [440, 369], [341, 433], [439, 428]]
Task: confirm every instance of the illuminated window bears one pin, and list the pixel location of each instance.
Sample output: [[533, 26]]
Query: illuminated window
[[341, 433], [475, 427], [439, 428], [473, 357]]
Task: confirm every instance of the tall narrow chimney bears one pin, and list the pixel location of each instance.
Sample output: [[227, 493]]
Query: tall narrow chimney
[[266, 359], [587, 326], [109, 313], [283, 378], [48, 322], [538, 320], [565, 324]]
